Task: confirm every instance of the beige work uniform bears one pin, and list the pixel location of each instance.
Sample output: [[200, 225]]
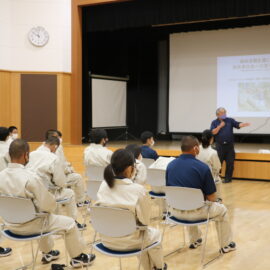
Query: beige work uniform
[[128, 195], [4, 147], [140, 174], [210, 157], [49, 168], [97, 155], [74, 180], [16, 180]]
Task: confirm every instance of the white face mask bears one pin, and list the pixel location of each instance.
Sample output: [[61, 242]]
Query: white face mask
[[61, 140], [14, 136], [153, 143]]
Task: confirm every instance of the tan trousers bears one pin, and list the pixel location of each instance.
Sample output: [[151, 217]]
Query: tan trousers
[[150, 258], [75, 180], [218, 212], [74, 242], [218, 186], [70, 208]]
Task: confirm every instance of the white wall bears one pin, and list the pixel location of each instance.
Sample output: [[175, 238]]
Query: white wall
[[17, 17]]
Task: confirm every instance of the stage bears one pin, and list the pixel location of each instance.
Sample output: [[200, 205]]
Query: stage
[[249, 164]]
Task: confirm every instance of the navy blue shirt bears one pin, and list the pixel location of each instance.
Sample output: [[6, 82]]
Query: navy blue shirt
[[187, 171], [148, 152], [225, 134]]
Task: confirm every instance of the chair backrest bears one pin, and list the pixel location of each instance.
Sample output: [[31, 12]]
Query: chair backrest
[[17, 210], [148, 162], [95, 172], [183, 198], [92, 188], [156, 177], [113, 222]]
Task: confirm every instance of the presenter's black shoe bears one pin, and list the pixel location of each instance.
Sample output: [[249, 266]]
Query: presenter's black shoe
[[225, 181], [5, 251], [196, 244], [51, 256], [230, 247], [82, 260]]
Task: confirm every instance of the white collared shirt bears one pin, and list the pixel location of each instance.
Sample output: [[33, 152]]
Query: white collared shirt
[[97, 155]]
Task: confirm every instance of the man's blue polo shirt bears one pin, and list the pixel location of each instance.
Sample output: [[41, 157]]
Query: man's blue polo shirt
[[187, 171], [148, 152], [225, 135]]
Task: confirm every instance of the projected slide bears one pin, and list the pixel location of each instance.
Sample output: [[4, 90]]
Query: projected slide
[[243, 85]]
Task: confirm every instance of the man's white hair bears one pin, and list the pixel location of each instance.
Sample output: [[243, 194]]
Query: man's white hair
[[220, 109]]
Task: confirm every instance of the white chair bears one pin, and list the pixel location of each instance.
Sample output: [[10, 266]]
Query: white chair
[[156, 178], [95, 172], [148, 162], [116, 222], [187, 199], [16, 210]]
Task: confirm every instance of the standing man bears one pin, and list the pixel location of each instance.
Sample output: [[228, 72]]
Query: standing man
[[222, 129]]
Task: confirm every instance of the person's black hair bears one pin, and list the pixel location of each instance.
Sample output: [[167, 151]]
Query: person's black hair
[[207, 135], [96, 135], [11, 128], [51, 132], [188, 142], [146, 135], [4, 133], [121, 159], [134, 149], [18, 148], [52, 140], [59, 133]]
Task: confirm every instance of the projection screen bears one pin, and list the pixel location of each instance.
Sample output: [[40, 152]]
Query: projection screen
[[108, 103], [228, 68]]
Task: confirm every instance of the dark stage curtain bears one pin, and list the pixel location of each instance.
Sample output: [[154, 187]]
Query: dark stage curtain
[[142, 13]]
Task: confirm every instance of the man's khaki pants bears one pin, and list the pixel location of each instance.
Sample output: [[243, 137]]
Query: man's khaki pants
[[75, 181], [69, 208], [74, 243], [218, 212]]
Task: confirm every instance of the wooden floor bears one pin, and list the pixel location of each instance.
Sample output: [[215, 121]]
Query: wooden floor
[[248, 203]]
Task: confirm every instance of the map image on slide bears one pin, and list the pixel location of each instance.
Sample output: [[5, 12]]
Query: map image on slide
[[254, 96]]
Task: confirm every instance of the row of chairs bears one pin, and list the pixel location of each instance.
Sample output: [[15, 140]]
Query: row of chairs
[[108, 221]]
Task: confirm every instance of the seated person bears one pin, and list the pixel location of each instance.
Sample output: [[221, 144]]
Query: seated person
[[16, 180], [4, 146], [187, 171], [118, 190], [3, 141], [147, 139], [3, 165], [74, 180], [13, 134], [140, 174], [49, 168], [96, 153], [209, 156]]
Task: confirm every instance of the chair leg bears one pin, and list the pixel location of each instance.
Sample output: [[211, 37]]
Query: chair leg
[[142, 248], [204, 244], [120, 263], [35, 258]]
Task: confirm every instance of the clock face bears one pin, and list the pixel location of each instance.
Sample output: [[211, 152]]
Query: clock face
[[38, 36]]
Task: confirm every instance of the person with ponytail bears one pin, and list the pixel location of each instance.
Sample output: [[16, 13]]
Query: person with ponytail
[[118, 190], [209, 156]]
